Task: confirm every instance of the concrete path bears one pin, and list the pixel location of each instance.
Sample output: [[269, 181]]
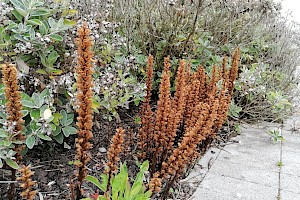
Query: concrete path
[[252, 167]]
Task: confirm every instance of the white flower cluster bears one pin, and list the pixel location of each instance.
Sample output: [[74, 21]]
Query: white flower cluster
[[4, 10]]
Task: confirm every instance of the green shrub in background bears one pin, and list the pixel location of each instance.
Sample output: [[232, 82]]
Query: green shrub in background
[[203, 32], [32, 35], [42, 121]]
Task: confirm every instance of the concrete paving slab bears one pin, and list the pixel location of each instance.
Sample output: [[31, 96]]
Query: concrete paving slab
[[291, 163], [248, 170], [223, 188], [287, 195], [246, 173], [202, 167], [291, 183]]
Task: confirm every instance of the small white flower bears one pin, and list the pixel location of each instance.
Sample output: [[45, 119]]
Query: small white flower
[[47, 114]]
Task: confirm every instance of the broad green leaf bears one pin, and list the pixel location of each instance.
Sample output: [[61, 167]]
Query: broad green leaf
[[41, 71], [69, 22], [53, 127], [68, 122], [56, 131], [69, 130], [22, 66], [145, 166], [28, 104], [10, 26], [2, 115], [22, 12], [59, 138], [52, 23], [55, 72], [25, 96], [56, 37], [52, 57], [57, 117], [44, 93], [44, 137], [38, 99], [93, 180], [35, 22], [64, 117], [12, 163], [17, 15], [43, 28], [40, 12], [1, 163], [24, 112], [103, 186], [35, 114], [30, 141]]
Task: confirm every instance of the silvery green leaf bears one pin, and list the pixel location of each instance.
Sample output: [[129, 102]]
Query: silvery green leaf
[[69, 130], [37, 3], [59, 138], [35, 22], [52, 23], [22, 66], [44, 137], [40, 12], [43, 28], [37, 99], [18, 4], [29, 104], [56, 37], [64, 117], [12, 163]]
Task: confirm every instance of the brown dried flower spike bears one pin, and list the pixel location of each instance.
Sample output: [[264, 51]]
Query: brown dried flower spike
[[114, 151], [13, 105], [85, 113], [14, 116], [26, 183]]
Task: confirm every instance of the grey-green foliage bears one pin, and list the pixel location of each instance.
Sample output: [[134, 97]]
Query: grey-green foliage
[[31, 31], [7, 143], [204, 31], [116, 86], [120, 186], [42, 121]]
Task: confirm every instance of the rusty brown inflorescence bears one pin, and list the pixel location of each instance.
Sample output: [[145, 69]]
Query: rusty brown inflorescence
[[170, 136], [13, 106], [26, 183], [84, 71]]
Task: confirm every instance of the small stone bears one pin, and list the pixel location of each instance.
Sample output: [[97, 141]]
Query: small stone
[[66, 146], [51, 183], [102, 150]]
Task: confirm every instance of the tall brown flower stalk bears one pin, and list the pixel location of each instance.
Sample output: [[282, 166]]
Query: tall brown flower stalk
[[177, 108], [13, 106], [14, 116], [146, 114], [162, 114], [26, 183], [84, 123], [225, 95], [193, 116], [114, 152], [182, 156]]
